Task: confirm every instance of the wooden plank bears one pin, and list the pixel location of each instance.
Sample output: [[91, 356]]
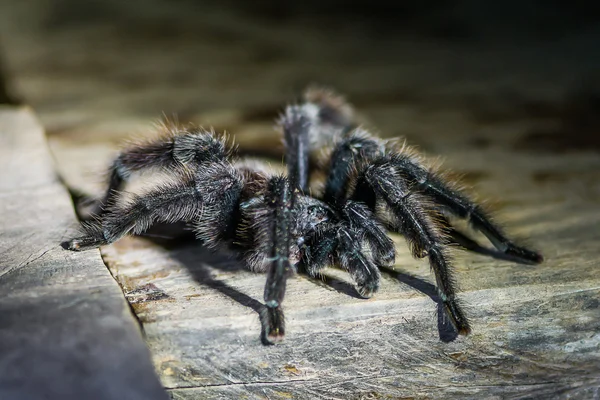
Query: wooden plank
[[66, 331], [535, 328]]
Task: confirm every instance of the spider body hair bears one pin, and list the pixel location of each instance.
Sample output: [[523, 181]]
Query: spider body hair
[[278, 225]]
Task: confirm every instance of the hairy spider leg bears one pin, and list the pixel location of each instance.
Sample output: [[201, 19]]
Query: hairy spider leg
[[320, 250], [298, 123], [351, 258], [207, 198], [460, 239], [351, 151], [359, 148], [325, 118], [167, 203], [341, 244], [318, 122], [422, 232], [296, 126], [191, 147], [355, 147], [280, 199], [333, 110], [459, 205], [364, 221], [346, 155]]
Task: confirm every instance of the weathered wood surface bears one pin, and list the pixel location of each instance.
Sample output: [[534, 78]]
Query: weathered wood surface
[[535, 329], [520, 122], [66, 331]]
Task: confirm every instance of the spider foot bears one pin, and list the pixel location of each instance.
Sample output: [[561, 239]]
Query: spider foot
[[458, 319], [368, 289], [91, 238], [273, 325], [524, 255], [83, 243]]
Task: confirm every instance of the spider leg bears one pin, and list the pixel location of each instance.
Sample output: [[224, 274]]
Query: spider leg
[[280, 198], [296, 128], [167, 203], [318, 122], [351, 257], [221, 186], [301, 125], [350, 151], [342, 244], [192, 147], [421, 230], [208, 198], [460, 239], [329, 114], [463, 207], [363, 220], [319, 251], [358, 148]]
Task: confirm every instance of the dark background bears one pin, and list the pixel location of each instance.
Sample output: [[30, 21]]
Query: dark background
[[95, 38]]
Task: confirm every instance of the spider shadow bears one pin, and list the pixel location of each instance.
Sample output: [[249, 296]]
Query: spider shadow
[[201, 262], [332, 283], [446, 331]]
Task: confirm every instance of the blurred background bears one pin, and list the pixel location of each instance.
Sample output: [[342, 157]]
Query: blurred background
[[452, 76], [462, 79], [419, 69]]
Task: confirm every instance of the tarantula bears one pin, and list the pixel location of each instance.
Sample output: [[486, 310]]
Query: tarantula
[[278, 225]]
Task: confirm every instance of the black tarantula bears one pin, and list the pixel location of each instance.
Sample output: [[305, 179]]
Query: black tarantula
[[278, 225]]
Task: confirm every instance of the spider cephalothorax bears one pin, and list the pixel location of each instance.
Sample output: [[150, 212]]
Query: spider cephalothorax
[[280, 224]]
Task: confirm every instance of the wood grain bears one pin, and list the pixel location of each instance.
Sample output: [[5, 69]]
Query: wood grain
[[66, 331], [535, 329]]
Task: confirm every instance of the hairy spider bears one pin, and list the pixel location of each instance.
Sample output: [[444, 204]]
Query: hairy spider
[[278, 225]]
